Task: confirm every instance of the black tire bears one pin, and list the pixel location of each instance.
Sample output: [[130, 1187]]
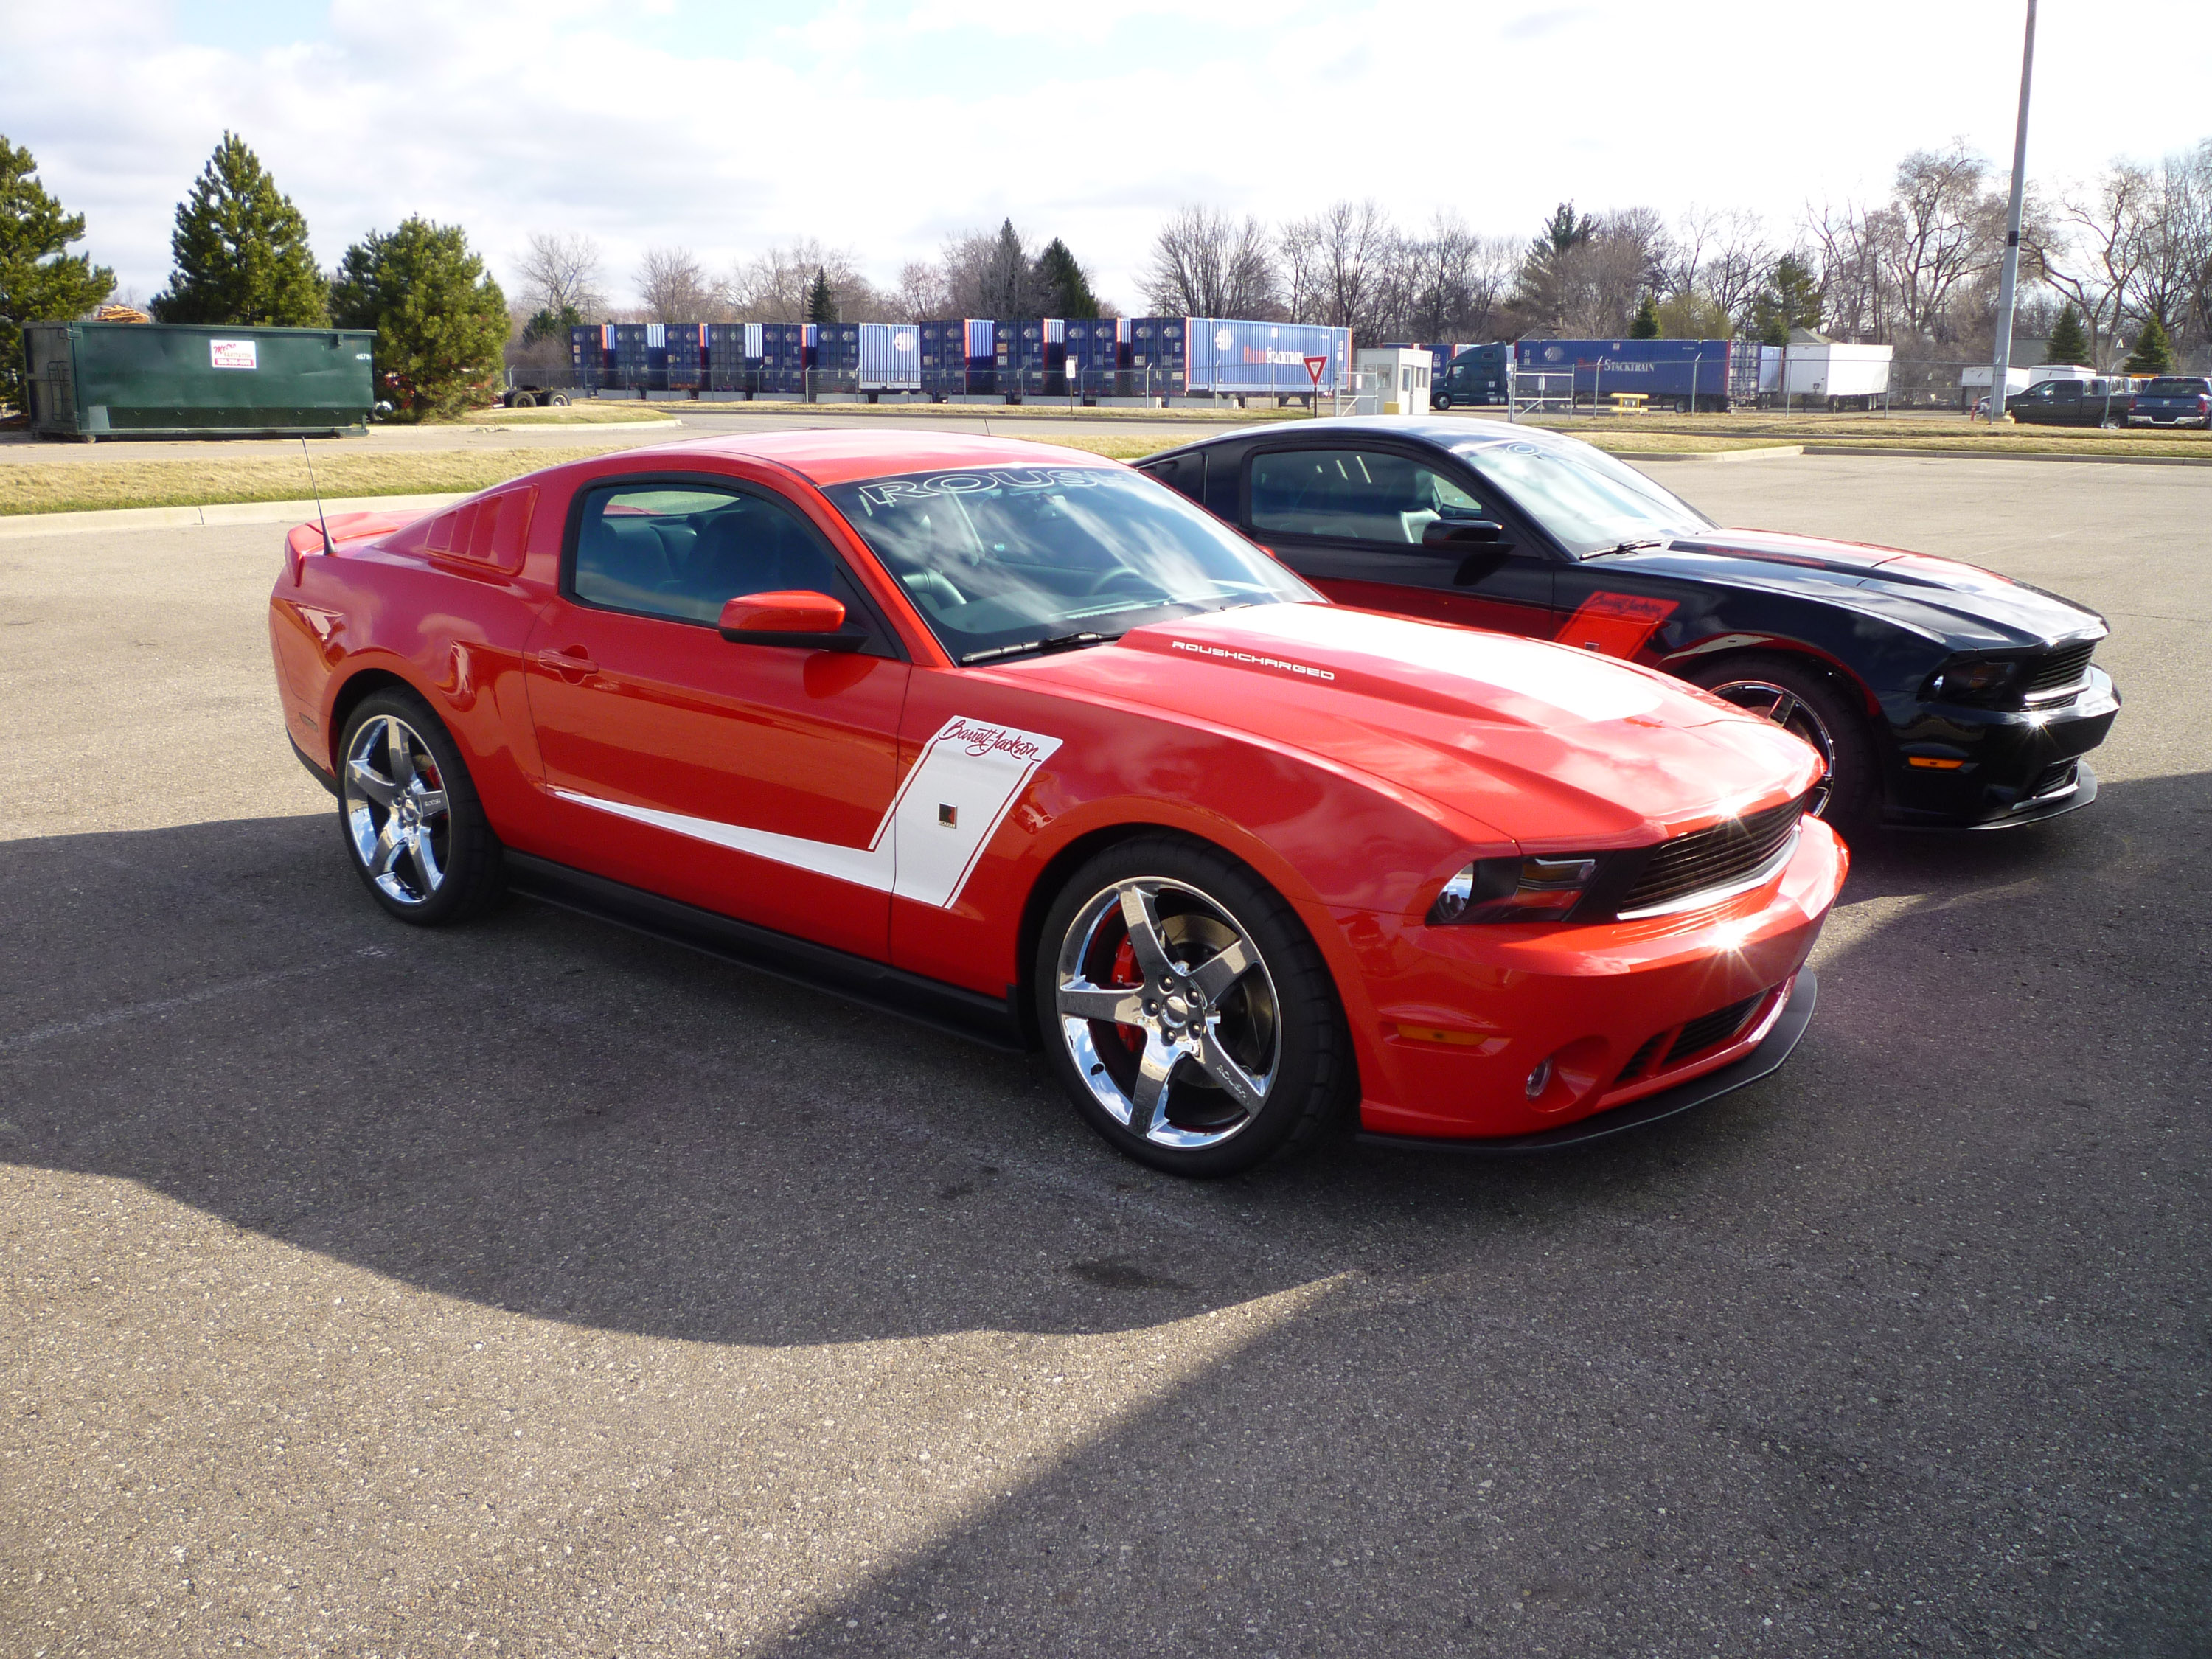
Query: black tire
[[442, 864], [1682, 406], [521, 400], [1826, 717], [1279, 1019], [1442, 400], [556, 400]]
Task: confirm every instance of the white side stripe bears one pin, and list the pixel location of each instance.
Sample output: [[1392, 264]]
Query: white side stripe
[[977, 770]]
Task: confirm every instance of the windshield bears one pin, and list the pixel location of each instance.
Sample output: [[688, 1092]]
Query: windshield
[[1587, 499], [2166, 387], [1007, 557]]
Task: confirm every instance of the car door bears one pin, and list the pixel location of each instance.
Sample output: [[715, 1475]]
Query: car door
[[752, 780], [1399, 529]]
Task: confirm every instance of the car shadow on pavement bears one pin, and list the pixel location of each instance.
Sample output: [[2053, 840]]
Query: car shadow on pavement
[[1834, 1352]]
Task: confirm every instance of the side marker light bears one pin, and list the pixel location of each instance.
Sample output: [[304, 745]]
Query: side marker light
[[1933, 762]]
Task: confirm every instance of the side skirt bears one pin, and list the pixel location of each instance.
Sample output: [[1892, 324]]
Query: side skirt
[[991, 1021]]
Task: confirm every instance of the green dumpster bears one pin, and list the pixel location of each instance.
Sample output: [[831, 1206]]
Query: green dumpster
[[182, 380]]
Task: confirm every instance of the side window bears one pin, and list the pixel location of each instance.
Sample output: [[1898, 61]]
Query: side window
[[682, 551], [1357, 494], [1185, 473]]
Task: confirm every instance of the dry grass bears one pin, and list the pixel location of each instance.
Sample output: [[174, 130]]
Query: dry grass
[[584, 414], [74, 487]]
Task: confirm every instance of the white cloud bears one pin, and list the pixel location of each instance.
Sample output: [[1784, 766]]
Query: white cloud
[[884, 127]]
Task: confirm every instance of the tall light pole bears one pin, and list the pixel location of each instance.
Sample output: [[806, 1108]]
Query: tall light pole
[[2000, 362]]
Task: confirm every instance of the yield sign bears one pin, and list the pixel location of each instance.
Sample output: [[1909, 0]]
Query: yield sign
[[1314, 367]]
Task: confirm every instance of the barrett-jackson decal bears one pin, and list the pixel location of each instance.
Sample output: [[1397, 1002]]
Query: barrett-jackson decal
[[926, 845]]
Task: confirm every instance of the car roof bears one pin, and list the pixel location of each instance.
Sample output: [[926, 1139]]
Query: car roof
[[834, 455], [1444, 431]]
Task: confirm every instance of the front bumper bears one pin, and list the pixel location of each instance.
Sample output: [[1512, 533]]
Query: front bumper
[[1453, 1025], [1763, 1059], [2000, 767]]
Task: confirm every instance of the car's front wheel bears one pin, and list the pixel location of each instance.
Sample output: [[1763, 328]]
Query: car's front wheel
[[1802, 699], [414, 827], [1188, 1011]]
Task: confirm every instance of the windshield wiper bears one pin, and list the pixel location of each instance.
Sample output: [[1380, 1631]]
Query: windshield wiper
[[1051, 643], [1627, 547]]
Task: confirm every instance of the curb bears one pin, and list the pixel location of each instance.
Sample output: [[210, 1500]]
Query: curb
[[1987, 455], [1763, 452], [213, 515], [558, 426]]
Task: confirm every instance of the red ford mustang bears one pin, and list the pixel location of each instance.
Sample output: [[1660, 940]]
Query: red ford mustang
[[1014, 740]]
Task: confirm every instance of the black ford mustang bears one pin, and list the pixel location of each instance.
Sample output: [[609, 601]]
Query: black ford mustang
[[1944, 695]]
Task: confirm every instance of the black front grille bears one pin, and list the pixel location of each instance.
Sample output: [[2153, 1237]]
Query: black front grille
[[2063, 667], [1713, 1031], [1640, 1059], [1712, 858]]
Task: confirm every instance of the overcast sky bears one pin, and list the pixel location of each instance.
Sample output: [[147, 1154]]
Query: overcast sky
[[884, 124]]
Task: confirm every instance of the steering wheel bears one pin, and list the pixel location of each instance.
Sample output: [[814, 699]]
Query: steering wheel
[[1121, 578]]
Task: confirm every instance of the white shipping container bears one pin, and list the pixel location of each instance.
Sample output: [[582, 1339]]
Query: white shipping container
[[1827, 371], [890, 357]]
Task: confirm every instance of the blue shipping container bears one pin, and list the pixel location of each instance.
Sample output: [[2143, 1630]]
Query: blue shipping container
[[1227, 356], [587, 355], [1713, 372]]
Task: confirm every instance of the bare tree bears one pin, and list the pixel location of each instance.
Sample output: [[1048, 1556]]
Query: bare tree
[[1845, 248], [1941, 229], [921, 291], [1297, 262], [559, 271], [772, 288], [1352, 241], [675, 286], [2096, 252], [1207, 264]]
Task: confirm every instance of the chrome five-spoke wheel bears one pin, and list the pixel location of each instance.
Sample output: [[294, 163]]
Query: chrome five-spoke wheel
[[1791, 712], [1168, 1013], [395, 809]]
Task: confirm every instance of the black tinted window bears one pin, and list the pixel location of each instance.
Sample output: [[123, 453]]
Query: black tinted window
[[2168, 386], [1362, 495], [684, 551]]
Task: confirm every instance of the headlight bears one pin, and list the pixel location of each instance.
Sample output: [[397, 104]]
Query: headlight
[[1976, 682], [1514, 890]]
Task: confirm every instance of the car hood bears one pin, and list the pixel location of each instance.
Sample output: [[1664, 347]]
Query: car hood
[[1961, 605], [1547, 747]]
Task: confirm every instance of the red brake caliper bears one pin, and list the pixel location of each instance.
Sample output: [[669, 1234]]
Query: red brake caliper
[[1125, 973]]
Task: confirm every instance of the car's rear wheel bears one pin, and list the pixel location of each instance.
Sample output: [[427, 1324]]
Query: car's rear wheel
[[1188, 1011], [1803, 700], [414, 827]]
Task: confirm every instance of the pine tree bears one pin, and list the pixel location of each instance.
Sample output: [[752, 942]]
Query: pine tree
[[1064, 285], [2069, 340], [440, 318], [241, 253], [1645, 326], [2154, 352], [39, 281], [547, 324], [1791, 300], [1010, 288], [821, 303]]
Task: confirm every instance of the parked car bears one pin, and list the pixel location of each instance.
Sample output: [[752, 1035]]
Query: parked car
[[2173, 400], [1942, 696], [2101, 402], [1014, 740]]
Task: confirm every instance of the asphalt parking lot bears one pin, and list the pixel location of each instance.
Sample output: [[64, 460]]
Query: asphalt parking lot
[[535, 1288]]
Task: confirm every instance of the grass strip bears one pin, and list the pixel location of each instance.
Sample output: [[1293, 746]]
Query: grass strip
[[76, 487]]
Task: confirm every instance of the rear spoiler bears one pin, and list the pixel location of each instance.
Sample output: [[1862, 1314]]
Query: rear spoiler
[[307, 539]]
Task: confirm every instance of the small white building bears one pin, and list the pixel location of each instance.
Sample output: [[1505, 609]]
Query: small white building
[[1400, 375]]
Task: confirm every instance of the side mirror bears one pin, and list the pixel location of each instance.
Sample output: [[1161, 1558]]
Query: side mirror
[[806, 621], [1464, 532]]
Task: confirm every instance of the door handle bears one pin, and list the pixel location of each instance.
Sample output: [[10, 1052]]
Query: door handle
[[573, 661]]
